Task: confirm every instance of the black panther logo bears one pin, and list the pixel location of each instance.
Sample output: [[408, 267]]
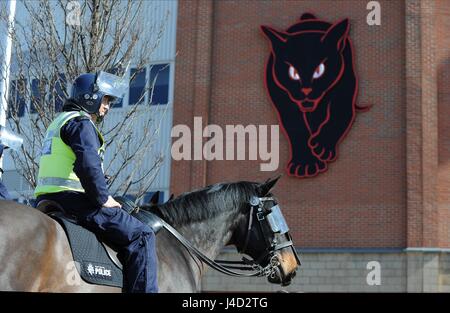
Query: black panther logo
[[311, 81]]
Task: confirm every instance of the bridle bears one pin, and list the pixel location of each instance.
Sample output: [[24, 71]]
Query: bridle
[[269, 222]]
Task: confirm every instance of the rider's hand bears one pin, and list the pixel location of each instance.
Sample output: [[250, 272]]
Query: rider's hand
[[111, 203]]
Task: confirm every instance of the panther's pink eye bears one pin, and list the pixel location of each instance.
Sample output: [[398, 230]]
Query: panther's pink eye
[[293, 73], [319, 71]]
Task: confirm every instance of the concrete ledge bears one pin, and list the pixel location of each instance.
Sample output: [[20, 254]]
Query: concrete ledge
[[345, 270]]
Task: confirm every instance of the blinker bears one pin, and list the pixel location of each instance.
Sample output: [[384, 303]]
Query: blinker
[[276, 220]]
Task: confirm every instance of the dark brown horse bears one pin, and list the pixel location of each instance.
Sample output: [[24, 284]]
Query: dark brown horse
[[35, 254]]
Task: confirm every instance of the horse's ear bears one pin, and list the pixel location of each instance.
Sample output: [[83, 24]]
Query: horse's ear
[[171, 197], [264, 188], [155, 198]]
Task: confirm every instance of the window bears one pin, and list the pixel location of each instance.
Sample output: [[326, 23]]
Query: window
[[37, 95], [34, 94], [137, 86], [59, 90], [17, 102], [159, 84]]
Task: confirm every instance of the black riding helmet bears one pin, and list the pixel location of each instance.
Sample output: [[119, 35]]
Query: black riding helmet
[[88, 90], [86, 94]]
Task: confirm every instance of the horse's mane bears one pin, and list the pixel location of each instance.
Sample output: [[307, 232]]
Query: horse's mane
[[206, 203]]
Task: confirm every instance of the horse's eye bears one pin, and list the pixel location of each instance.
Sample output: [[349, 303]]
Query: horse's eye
[[319, 71], [293, 73]]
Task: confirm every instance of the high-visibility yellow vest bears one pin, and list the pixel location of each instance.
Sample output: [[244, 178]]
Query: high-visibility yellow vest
[[57, 159]]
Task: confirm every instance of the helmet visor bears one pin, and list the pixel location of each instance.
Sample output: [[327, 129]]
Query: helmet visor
[[112, 85], [10, 139]]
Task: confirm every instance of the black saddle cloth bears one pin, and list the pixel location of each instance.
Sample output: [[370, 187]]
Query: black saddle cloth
[[92, 260]]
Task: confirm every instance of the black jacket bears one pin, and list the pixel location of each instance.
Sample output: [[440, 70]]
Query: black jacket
[[80, 135]]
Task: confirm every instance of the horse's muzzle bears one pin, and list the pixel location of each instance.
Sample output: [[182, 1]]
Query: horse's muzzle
[[277, 277], [286, 270], [288, 279]]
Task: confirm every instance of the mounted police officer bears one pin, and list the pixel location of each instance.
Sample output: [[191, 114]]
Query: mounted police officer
[[71, 173]]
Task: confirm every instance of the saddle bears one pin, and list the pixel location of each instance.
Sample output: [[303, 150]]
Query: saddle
[[96, 260]]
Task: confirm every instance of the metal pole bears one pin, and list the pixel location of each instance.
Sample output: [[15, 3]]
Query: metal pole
[[6, 63], [5, 67]]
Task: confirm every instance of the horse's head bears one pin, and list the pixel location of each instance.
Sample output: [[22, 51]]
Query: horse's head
[[263, 234], [243, 214]]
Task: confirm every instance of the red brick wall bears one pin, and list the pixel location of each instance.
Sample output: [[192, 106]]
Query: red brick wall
[[443, 73], [361, 200]]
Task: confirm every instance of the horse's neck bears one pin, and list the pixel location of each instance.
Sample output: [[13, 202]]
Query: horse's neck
[[209, 236]]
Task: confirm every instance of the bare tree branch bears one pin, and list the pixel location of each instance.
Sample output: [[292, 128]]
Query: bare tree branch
[[48, 53]]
